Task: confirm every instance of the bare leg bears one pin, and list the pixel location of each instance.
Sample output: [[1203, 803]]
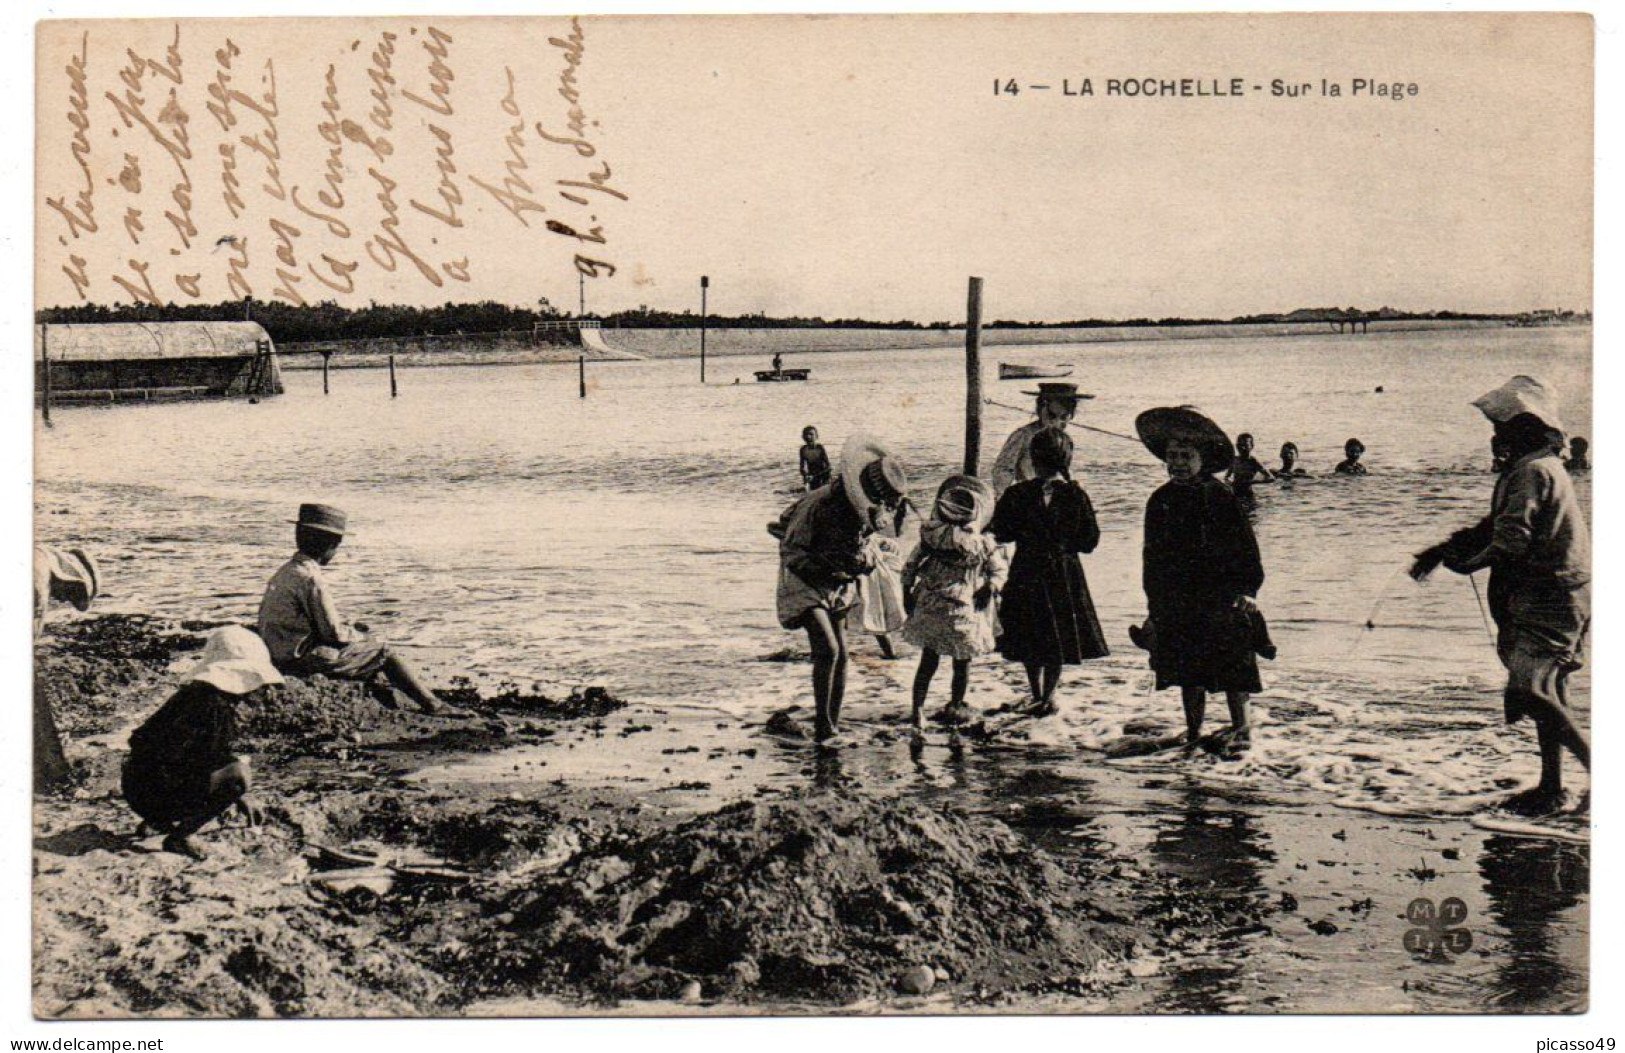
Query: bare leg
[[226, 787], [1052, 680], [1568, 732], [886, 649], [828, 645], [922, 684], [1035, 682], [1551, 756], [961, 682], [1240, 721], [1195, 702], [1044, 680], [837, 679], [402, 676]]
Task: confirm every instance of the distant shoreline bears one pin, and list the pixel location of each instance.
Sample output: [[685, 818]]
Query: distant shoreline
[[665, 343]]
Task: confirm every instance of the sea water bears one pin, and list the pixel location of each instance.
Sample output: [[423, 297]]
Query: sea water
[[517, 531]]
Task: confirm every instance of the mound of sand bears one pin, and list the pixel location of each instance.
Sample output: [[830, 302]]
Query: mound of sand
[[828, 898]]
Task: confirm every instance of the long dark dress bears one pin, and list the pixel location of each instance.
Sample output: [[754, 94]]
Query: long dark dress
[[1046, 612], [1200, 554], [172, 755]]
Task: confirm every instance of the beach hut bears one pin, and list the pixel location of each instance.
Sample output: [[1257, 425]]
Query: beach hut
[[152, 361]]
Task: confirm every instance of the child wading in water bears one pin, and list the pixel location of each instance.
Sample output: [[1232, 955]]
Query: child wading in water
[[304, 632], [821, 557], [814, 460], [953, 578], [1538, 549], [1201, 571], [1353, 450], [1245, 470], [1046, 612]]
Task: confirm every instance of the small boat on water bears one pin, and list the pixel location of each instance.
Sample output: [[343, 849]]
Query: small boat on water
[[779, 376], [1011, 371]]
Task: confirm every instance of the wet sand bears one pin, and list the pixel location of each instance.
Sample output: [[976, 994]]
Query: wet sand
[[591, 857]]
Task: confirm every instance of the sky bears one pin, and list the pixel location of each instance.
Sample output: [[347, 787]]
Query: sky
[[834, 166]]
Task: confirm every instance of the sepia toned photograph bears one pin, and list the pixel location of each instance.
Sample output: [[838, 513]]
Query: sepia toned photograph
[[812, 515]]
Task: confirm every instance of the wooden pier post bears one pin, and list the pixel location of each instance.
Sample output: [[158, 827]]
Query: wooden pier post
[[393, 390], [327, 357], [973, 378], [705, 283], [581, 366], [45, 374]]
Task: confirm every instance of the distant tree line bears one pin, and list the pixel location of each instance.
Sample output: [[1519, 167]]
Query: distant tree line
[[330, 321]]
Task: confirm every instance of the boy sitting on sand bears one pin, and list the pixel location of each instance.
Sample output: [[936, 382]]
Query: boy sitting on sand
[[303, 630]]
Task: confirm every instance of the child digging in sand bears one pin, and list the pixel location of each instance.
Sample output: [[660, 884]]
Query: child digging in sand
[[1538, 549], [303, 630], [953, 578], [1047, 614], [821, 557], [181, 772], [1201, 572]]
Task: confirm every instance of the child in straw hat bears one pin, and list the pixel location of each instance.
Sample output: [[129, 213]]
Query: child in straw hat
[[822, 556], [1538, 550], [1201, 572], [181, 772], [303, 630], [952, 580]]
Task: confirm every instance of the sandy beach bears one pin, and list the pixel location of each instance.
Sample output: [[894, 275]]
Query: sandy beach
[[738, 873]]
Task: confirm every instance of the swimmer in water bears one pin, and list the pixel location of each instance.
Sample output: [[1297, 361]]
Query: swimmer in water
[[1289, 463], [1579, 455], [1245, 470], [1353, 450]]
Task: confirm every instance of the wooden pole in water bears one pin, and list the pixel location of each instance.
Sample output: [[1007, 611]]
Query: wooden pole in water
[[393, 390], [973, 378], [705, 283], [327, 357], [581, 366], [45, 374]]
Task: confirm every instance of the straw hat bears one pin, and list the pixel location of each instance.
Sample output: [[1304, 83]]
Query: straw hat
[[1157, 427], [870, 472], [965, 500], [1060, 392], [235, 660], [75, 568], [1521, 394], [322, 517]]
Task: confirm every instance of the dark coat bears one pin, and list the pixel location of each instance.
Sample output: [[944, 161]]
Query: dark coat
[[172, 755], [1200, 554], [1046, 612]]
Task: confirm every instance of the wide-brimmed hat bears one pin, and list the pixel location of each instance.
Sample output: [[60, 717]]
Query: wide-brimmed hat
[[74, 575], [80, 569], [1059, 392], [1522, 394], [967, 500], [322, 517], [1157, 427], [235, 660], [870, 473]]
